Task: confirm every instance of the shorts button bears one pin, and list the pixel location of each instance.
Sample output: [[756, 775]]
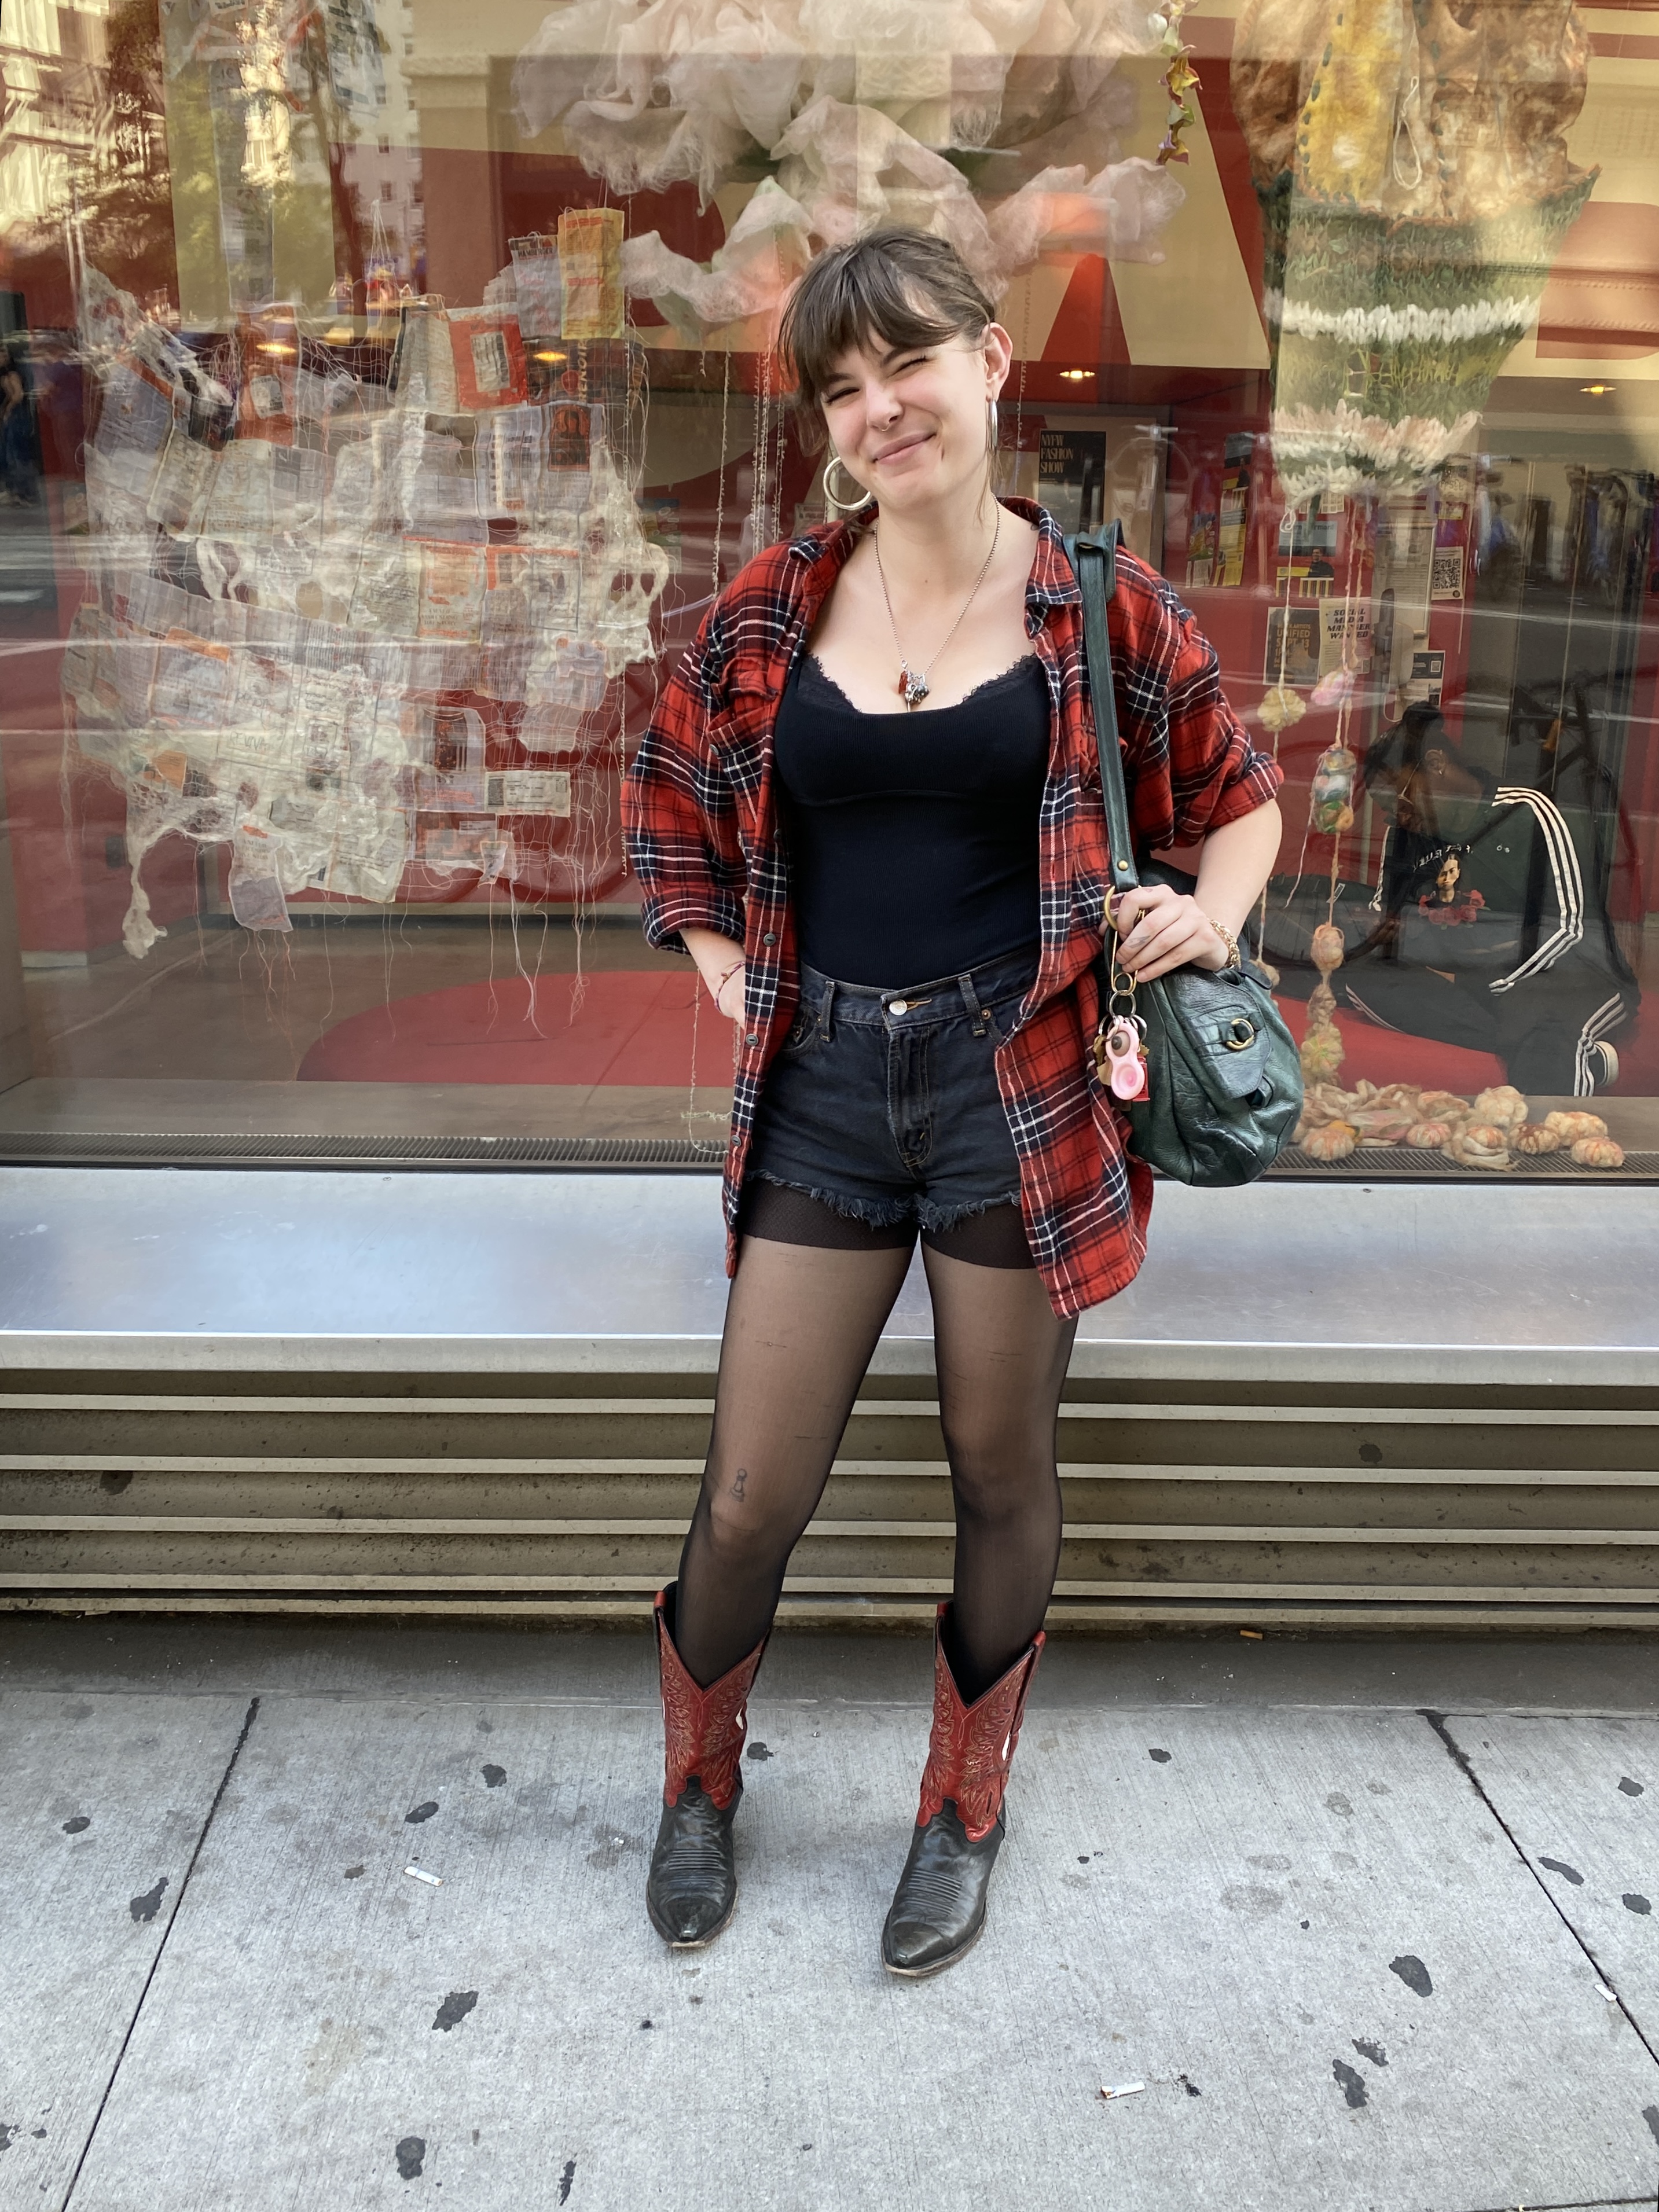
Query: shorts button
[[898, 1005]]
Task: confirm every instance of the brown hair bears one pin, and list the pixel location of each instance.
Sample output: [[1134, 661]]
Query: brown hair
[[907, 287]]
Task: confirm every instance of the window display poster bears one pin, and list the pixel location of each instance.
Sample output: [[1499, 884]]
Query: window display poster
[[1293, 644], [529, 791], [490, 357], [1345, 635], [591, 304], [1203, 523], [1235, 514], [1428, 674], [1451, 530], [1072, 476]]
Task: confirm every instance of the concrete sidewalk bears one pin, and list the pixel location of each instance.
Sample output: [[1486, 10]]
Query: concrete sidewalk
[[1370, 1921]]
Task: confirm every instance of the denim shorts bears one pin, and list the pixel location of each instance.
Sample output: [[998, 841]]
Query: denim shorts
[[883, 1103]]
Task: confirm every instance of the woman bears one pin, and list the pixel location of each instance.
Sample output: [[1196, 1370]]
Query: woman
[[869, 808]]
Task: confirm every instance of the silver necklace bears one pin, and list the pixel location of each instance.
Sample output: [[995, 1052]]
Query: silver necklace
[[912, 682]]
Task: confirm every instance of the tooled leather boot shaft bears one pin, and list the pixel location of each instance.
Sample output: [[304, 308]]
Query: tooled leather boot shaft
[[704, 1730], [972, 1746]]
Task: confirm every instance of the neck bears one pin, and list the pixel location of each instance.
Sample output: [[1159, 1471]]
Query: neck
[[943, 545]]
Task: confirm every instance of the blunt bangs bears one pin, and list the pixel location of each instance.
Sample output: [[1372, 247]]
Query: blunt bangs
[[898, 286]]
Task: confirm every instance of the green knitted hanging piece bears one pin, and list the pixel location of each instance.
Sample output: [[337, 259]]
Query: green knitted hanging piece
[[1415, 189]]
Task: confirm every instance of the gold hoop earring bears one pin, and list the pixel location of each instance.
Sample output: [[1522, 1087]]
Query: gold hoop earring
[[843, 506]]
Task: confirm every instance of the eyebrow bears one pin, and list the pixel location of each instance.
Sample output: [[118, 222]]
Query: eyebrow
[[891, 353]]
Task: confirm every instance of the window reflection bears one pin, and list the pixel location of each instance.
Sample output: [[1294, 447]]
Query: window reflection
[[386, 391]]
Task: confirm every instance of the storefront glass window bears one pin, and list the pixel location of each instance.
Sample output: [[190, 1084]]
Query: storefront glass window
[[388, 385]]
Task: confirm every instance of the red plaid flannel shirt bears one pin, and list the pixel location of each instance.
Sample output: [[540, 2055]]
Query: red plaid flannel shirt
[[703, 827]]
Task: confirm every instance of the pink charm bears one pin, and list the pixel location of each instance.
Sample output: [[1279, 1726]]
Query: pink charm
[[1126, 1057]]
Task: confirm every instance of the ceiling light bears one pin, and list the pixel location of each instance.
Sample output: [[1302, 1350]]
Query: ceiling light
[[342, 334], [1077, 375], [274, 346], [1598, 391], [555, 357]]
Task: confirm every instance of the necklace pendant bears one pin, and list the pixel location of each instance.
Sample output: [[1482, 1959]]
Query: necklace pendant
[[913, 688]]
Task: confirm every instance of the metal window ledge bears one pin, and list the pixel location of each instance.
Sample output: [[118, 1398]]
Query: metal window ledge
[[317, 1390]]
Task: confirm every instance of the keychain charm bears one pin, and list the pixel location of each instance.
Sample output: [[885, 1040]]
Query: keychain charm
[[1120, 1041], [1125, 1051]]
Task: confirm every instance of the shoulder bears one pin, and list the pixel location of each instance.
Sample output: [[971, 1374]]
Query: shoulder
[[1149, 605], [765, 602]]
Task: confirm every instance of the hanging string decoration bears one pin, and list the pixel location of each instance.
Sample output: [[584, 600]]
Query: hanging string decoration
[[1180, 81]]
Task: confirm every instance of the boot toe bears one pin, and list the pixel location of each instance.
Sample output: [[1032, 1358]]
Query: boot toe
[[688, 1919], [912, 1946], [938, 1908], [692, 1888]]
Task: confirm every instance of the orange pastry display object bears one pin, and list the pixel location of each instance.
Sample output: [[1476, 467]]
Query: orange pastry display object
[[1485, 1133]]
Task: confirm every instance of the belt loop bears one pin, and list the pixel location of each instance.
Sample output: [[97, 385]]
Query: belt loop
[[970, 1000], [826, 1011]]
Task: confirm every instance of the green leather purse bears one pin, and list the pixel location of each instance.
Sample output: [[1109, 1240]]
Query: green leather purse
[[1223, 1078]]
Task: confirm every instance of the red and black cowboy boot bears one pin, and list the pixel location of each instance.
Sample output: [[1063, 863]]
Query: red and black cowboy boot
[[938, 1910], [692, 1887]]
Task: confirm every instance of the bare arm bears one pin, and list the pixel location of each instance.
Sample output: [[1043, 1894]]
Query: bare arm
[[1173, 931], [719, 962]]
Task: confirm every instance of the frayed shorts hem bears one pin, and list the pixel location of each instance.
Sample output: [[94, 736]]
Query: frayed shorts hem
[[920, 1211]]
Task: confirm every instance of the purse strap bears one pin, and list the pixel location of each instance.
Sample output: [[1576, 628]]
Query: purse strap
[[1093, 557]]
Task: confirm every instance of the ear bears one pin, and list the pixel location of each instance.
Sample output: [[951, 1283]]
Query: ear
[[999, 358], [1434, 760]]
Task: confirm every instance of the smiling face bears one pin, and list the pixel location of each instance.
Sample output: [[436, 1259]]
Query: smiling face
[[909, 423]]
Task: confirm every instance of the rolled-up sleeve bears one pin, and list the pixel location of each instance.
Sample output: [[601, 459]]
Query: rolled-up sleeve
[[679, 821], [1216, 774], [1190, 765]]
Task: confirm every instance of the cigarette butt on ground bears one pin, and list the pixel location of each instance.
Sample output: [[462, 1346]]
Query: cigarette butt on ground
[[1124, 2089], [1255, 1634], [420, 1874]]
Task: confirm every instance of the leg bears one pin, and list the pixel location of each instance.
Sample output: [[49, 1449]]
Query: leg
[[1002, 1353], [801, 1324], [1002, 1356]]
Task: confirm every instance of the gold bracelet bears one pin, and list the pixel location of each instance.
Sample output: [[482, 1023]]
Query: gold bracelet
[[1226, 937]]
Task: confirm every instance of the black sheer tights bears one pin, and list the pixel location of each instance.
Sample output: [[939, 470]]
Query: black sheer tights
[[803, 1321]]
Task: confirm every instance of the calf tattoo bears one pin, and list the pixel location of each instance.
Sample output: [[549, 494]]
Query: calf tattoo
[[739, 1482]]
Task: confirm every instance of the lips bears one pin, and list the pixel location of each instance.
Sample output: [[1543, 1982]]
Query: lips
[[902, 445]]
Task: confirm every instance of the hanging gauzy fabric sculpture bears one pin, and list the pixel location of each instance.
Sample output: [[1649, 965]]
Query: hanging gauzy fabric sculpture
[[1415, 187], [985, 120]]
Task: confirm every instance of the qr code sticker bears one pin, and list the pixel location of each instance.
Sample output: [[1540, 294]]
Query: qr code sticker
[[1446, 574], [491, 371]]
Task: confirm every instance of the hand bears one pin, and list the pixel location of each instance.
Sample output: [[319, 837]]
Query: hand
[[1160, 929]]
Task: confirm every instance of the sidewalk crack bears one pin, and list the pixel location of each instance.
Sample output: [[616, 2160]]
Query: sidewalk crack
[[1460, 1758], [173, 1922]]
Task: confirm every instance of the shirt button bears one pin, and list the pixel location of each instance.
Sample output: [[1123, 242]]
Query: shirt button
[[769, 938], [753, 1037]]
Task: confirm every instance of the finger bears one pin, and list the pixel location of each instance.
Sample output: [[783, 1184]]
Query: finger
[[1129, 909], [1169, 950], [1153, 969], [1165, 956], [1156, 940], [1148, 924]]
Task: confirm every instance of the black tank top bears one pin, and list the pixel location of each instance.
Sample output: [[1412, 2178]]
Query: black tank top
[[913, 838]]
